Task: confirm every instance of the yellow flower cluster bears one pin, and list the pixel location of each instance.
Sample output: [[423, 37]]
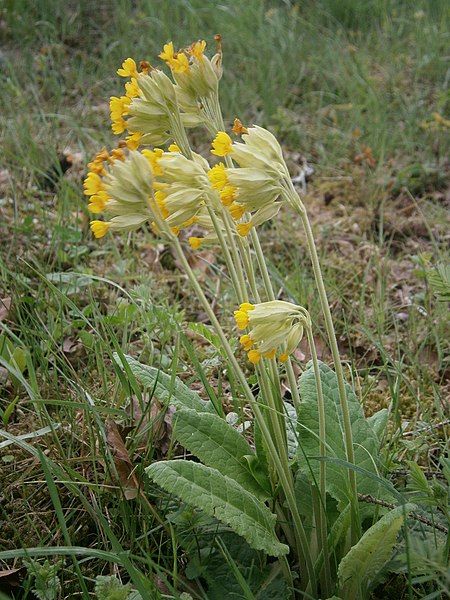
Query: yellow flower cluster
[[255, 186], [153, 111], [108, 187], [181, 186], [275, 327]]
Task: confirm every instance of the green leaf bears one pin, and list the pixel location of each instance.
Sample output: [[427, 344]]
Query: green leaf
[[378, 422], [208, 334], [222, 498], [439, 281], [360, 566], [217, 445], [166, 388], [365, 440]]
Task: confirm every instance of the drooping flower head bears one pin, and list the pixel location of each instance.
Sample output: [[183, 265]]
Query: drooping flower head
[[254, 187], [146, 109], [182, 186], [274, 328], [195, 74], [121, 192]]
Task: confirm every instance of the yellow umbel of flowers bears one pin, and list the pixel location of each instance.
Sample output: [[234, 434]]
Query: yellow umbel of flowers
[[273, 326], [122, 193], [222, 144]]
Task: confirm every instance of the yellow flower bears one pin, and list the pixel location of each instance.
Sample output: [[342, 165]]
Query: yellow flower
[[174, 148], [180, 63], [195, 242], [128, 69], [197, 49], [283, 357], [243, 229], [118, 109], [177, 61], [119, 106], [117, 154], [254, 356], [218, 176], [92, 184], [98, 202], [246, 341], [132, 88], [160, 199], [236, 211], [228, 195], [99, 228], [272, 325], [153, 157], [167, 53], [133, 140], [222, 144], [241, 315]]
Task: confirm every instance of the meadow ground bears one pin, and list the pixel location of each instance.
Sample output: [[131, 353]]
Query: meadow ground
[[358, 91]]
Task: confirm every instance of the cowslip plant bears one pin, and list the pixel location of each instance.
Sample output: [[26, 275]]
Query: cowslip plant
[[294, 499]]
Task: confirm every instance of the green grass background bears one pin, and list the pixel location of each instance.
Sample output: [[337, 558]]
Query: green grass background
[[330, 77]]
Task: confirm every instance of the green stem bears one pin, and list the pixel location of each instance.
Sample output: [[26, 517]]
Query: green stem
[[296, 202], [322, 515], [237, 259], [244, 251], [293, 385], [237, 279], [235, 269], [262, 265]]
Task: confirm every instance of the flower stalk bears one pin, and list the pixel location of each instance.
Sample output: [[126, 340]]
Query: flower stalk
[[348, 436]]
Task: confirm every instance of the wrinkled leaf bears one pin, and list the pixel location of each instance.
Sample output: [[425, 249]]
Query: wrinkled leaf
[[217, 445], [365, 441], [222, 498], [166, 389], [360, 566]]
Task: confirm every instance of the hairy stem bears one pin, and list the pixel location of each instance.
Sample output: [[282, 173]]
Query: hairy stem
[[322, 515], [296, 202]]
